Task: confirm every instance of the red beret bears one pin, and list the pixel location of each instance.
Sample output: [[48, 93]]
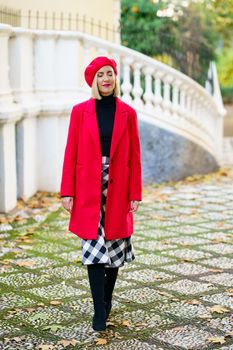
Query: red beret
[[95, 65]]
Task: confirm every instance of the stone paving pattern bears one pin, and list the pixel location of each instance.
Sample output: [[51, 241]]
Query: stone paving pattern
[[177, 294]]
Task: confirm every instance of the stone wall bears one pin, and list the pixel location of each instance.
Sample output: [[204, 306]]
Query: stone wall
[[168, 156]]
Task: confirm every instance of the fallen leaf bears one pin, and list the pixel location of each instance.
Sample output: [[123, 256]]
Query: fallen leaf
[[205, 316], [18, 218], [164, 293], [219, 309], [30, 309], [229, 334], [101, 341], [216, 270], [39, 316], [45, 347], [220, 340], [40, 304], [126, 323], [186, 260], [66, 342], [193, 302], [6, 261], [55, 302], [52, 327], [3, 220], [221, 223], [218, 240], [17, 339], [230, 290], [223, 173], [25, 263]]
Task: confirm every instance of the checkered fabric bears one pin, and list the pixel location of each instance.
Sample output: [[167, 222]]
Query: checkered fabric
[[112, 253]]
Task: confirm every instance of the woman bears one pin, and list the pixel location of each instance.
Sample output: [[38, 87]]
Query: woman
[[101, 182]]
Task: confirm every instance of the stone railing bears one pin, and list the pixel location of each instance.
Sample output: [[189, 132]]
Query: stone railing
[[42, 76]]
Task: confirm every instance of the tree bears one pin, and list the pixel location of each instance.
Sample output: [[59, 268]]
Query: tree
[[183, 33]]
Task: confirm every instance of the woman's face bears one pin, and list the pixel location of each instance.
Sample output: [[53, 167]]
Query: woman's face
[[106, 80]]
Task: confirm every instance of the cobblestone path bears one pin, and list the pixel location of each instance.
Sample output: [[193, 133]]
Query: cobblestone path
[[177, 294]]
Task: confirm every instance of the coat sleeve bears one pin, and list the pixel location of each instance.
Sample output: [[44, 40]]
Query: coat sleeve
[[135, 172], [67, 188]]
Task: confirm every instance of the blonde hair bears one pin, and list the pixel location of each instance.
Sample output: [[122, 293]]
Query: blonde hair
[[95, 91]]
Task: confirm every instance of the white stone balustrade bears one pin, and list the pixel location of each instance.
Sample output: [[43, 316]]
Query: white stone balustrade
[[42, 77]]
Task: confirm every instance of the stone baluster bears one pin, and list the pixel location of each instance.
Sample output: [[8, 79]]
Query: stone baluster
[[10, 112], [157, 87], [67, 66], [175, 98], [117, 58], [45, 58], [126, 85], [167, 90], [51, 109], [188, 103], [182, 106], [86, 61], [21, 77], [148, 95], [137, 89]]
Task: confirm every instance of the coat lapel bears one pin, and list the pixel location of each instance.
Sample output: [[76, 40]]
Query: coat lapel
[[120, 122]]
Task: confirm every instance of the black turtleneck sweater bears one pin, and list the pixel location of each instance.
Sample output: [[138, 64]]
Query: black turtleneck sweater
[[105, 111]]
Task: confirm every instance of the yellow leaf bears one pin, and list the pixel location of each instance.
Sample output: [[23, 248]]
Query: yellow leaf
[[3, 220], [193, 302], [55, 302], [220, 340], [215, 270], [101, 341], [66, 343], [218, 240], [25, 263], [219, 309], [6, 261], [29, 309], [221, 223], [230, 290], [18, 218], [126, 323]]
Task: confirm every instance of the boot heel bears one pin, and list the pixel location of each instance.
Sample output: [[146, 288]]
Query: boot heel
[[99, 318]]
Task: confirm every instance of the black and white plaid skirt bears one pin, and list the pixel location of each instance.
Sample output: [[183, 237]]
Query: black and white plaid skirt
[[112, 253]]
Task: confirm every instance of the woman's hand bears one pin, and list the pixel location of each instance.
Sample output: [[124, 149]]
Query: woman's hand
[[67, 203], [134, 206]]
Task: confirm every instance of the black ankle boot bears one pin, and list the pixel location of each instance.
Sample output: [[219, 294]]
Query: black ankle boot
[[99, 318]]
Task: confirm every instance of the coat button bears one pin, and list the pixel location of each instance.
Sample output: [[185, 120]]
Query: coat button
[[110, 181]]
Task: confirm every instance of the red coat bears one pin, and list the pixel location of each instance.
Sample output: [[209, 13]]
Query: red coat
[[81, 176]]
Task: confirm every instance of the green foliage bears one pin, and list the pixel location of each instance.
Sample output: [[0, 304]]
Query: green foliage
[[224, 20], [188, 37], [225, 67]]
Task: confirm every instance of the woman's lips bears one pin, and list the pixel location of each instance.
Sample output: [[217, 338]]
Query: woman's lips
[[107, 85]]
